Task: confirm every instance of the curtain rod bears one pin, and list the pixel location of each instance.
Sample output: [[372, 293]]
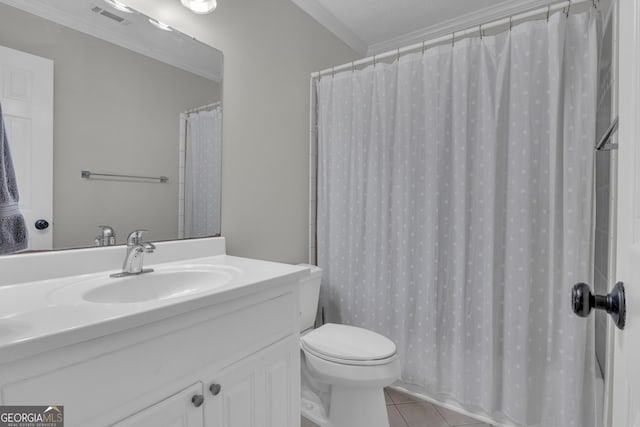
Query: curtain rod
[[476, 29], [203, 108]]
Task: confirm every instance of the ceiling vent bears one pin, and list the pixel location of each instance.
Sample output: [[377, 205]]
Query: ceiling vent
[[112, 16]]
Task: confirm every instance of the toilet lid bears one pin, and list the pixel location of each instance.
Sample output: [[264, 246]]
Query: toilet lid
[[348, 343]]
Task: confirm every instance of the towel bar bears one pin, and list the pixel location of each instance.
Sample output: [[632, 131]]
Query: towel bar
[[89, 174]]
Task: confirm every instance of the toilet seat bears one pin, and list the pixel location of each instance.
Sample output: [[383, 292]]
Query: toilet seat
[[349, 345]]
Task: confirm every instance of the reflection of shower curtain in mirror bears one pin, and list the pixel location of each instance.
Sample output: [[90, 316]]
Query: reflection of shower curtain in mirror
[[202, 173]]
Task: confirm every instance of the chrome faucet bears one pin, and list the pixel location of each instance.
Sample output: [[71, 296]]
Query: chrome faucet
[[136, 249]]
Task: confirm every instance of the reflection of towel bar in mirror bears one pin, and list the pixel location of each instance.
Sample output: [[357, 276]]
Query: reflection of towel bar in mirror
[[89, 174]]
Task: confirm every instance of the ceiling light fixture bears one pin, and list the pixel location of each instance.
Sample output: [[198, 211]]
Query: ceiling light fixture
[[119, 6], [200, 6], [160, 25]]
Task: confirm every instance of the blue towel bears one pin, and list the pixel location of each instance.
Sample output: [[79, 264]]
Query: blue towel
[[13, 229]]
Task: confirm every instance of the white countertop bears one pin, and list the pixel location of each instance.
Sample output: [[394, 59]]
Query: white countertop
[[31, 321]]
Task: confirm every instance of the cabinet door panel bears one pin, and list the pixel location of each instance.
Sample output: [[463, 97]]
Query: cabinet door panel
[[239, 403], [281, 367], [278, 393], [175, 411], [262, 390], [235, 405]]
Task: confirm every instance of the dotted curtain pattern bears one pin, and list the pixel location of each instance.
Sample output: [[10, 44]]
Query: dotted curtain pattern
[[203, 173], [455, 199]]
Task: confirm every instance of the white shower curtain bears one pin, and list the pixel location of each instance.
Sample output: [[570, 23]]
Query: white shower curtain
[[203, 173], [454, 214]]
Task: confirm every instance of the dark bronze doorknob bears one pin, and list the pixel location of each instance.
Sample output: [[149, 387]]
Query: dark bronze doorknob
[[42, 224], [583, 301]]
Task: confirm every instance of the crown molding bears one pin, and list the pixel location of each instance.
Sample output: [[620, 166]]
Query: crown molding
[[325, 18], [459, 23]]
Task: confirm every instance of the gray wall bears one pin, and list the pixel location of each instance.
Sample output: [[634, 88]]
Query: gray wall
[[270, 48], [114, 111]]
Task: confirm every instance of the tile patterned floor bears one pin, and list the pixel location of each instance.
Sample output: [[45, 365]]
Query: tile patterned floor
[[406, 411]]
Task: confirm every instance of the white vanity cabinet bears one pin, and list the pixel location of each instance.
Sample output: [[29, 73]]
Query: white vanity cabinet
[[255, 392], [239, 353]]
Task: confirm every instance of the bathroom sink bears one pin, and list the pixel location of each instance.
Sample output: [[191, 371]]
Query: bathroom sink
[[162, 284]]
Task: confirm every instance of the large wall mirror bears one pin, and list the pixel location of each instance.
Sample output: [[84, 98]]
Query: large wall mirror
[[111, 120]]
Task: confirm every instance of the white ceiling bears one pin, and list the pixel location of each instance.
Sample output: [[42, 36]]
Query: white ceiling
[[134, 33], [375, 26]]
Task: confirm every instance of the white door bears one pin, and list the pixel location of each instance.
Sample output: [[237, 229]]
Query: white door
[[183, 409], [626, 347], [26, 94]]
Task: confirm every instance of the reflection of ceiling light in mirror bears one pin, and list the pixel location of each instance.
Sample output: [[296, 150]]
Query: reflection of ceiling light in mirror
[[119, 6], [160, 25], [200, 6]]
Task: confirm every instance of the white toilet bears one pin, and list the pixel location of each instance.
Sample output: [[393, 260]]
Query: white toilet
[[344, 368]]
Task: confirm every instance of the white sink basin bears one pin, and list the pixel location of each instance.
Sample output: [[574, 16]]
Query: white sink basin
[[157, 286], [162, 284]]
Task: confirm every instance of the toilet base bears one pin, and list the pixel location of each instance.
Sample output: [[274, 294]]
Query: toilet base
[[357, 407], [312, 406]]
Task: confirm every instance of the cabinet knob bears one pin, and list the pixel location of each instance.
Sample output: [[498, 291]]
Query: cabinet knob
[[215, 389], [197, 400]]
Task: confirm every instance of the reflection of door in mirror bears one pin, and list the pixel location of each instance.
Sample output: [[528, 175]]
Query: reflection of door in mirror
[[26, 94], [200, 167]]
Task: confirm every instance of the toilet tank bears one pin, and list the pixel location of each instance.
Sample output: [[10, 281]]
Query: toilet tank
[[309, 293]]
